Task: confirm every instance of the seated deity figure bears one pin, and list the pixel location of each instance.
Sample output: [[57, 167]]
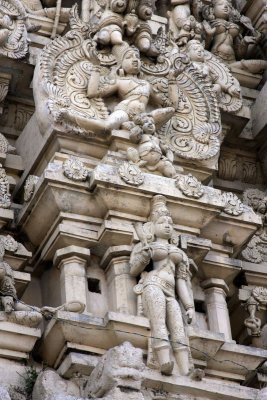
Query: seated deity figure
[[168, 278], [196, 53], [133, 91], [151, 154]]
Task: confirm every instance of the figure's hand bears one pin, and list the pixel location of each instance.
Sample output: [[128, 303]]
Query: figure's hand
[[208, 29], [250, 40], [146, 252], [190, 313]]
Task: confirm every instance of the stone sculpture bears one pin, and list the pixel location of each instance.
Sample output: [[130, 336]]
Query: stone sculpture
[[183, 25], [170, 275], [5, 195], [30, 186], [224, 84], [257, 298], [117, 375], [14, 25], [74, 169], [184, 105], [255, 250], [133, 92], [223, 26], [151, 154], [11, 308]]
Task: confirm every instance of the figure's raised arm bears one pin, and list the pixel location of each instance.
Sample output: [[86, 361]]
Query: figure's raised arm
[[96, 88], [139, 259]]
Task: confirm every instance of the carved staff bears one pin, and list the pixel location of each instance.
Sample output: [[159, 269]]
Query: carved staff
[[56, 21], [86, 10]]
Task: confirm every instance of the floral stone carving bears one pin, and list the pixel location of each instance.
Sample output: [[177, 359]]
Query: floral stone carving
[[157, 287], [190, 186], [232, 204], [74, 169], [30, 186], [131, 174], [5, 195], [5, 147]]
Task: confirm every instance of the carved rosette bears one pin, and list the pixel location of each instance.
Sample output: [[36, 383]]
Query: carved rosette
[[30, 186], [232, 204], [131, 174], [74, 169], [190, 186]]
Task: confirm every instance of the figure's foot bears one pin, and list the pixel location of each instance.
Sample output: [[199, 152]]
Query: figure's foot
[[197, 374], [166, 368]]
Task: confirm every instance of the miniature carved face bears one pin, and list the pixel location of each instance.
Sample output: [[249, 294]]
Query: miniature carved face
[[196, 52], [149, 126], [221, 9], [131, 63], [163, 227]]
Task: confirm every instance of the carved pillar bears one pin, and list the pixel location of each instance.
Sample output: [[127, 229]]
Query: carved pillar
[[120, 284], [217, 311], [72, 262]]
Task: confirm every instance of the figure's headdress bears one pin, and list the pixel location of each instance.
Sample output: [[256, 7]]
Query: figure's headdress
[[158, 208], [120, 51]]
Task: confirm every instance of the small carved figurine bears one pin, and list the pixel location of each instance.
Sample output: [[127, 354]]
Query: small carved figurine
[[169, 277], [151, 153]]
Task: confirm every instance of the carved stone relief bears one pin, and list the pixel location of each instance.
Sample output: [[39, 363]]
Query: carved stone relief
[[258, 297], [74, 169], [190, 186], [30, 186], [157, 285], [14, 25], [185, 106], [256, 249], [5, 201], [131, 174], [233, 205]]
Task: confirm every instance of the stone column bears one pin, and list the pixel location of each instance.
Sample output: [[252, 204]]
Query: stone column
[[72, 262], [217, 311], [120, 283]]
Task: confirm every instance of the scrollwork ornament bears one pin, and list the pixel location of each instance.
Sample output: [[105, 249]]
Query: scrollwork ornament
[[190, 186], [232, 204], [131, 174], [74, 169]]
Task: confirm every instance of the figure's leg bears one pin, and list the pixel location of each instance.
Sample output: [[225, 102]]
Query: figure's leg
[[98, 126], [154, 303], [179, 340]]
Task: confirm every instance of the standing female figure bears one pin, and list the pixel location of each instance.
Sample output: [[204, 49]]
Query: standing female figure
[[168, 279]]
